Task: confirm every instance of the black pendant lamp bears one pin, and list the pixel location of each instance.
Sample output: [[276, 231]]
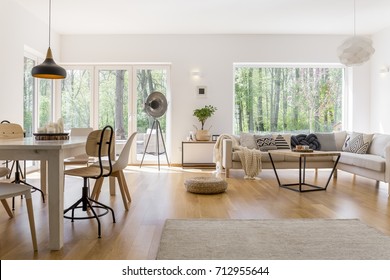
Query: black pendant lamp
[[49, 69]]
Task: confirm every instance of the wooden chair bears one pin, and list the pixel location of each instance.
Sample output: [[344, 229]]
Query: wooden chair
[[4, 171], [15, 131], [82, 159], [8, 190], [99, 145], [117, 171]]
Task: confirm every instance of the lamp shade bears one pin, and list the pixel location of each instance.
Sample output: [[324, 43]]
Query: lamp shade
[[355, 50], [48, 69]]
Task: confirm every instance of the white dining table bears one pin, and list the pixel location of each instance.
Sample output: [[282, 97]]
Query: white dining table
[[51, 154]]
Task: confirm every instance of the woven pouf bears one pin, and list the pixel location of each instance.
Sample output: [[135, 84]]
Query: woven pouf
[[205, 185]]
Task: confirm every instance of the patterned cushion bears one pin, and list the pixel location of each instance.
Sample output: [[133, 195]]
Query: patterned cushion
[[265, 143], [281, 141], [357, 143], [310, 140]]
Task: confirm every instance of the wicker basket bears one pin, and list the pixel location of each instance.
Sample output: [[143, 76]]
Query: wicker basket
[[51, 136]]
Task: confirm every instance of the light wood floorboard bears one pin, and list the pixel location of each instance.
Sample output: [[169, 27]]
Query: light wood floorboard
[[160, 195]]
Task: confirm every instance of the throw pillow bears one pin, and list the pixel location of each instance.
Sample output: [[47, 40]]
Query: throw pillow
[[265, 143], [297, 139], [248, 140], [282, 141], [310, 140], [357, 143], [327, 141]]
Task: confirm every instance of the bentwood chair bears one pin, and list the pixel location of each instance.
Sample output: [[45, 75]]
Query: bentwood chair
[[99, 145], [117, 171], [8, 190], [15, 131]]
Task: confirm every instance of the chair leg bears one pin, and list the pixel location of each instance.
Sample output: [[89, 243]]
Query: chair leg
[[74, 206], [32, 222], [86, 203], [125, 187], [96, 217], [121, 188], [97, 188], [6, 206]]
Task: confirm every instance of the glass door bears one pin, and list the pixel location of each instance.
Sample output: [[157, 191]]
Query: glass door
[[113, 95], [148, 79]]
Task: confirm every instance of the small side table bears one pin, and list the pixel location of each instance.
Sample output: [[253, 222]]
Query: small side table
[[197, 154]]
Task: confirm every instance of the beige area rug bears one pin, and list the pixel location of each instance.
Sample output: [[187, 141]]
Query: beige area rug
[[285, 239]]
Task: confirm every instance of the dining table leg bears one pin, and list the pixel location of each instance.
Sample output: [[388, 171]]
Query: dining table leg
[[56, 198]]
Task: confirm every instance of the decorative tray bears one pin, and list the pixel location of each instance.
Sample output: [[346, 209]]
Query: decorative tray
[[303, 151], [51, 136]]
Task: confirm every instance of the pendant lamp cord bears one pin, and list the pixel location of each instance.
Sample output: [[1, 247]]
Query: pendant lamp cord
[[49, 22]]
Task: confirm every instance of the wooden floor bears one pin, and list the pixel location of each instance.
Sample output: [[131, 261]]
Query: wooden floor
[[160, 195]]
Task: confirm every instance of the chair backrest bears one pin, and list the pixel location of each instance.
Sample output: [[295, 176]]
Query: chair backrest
[[99, 144], [11, 131], [4, 171], [123, 158]]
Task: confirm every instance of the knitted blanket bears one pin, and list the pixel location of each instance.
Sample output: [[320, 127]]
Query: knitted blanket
[[250, 161], [250, 158]]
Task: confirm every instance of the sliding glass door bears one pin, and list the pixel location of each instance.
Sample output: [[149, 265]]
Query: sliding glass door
[[76, 97], [148, 79], [96, 96], [113, 104]]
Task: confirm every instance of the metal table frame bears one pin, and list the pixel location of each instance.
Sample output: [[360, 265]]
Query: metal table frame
[[302, 171]]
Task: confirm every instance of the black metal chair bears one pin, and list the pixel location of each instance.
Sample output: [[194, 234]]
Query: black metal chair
[[99, 144]]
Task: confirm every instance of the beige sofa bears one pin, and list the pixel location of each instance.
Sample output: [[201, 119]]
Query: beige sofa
[[375, 164]]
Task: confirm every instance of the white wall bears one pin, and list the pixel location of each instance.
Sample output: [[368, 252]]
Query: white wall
[[18, 29], [213, 56], [380, 88]]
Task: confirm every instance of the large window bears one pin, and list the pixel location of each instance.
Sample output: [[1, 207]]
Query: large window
[[289, 99], [37, 99], [28, 96], [76, 98], [99, 95], [113, 101], [149, 79]]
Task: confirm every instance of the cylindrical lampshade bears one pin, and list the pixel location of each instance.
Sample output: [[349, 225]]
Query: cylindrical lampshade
[[48, 69], [355, 50]]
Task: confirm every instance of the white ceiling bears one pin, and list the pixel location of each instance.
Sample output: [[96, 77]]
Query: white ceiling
[[212, 16]]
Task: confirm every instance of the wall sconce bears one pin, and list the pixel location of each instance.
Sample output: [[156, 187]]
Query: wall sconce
[[196, 74], [384, 70]]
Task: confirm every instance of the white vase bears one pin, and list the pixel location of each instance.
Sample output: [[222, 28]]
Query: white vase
[[203, 135]]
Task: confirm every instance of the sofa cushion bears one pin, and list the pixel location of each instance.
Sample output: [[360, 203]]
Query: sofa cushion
[[327, 141], [282, 141], [264, 157], [368, 161], [378, 144], [357, 143], [310, 140], [248, 140], [339, 137], [265, 143]]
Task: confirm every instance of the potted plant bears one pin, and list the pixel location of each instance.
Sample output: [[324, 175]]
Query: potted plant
[[203, 114]]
